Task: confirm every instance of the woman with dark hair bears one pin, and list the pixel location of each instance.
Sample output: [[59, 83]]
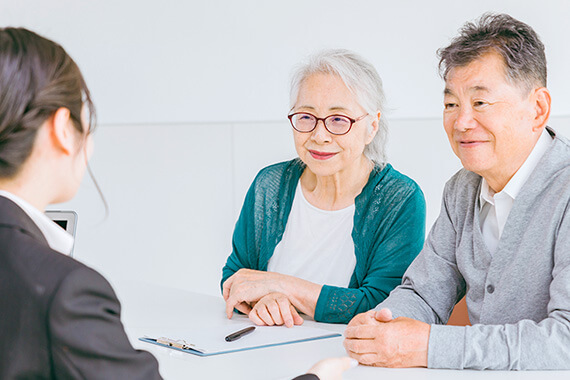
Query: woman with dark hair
[[58, 318]]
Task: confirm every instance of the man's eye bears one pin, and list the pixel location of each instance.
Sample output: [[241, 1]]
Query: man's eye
[[449, 106], [479, 104]]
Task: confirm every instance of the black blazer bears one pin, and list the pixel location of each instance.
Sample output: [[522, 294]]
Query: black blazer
[[58, 318]]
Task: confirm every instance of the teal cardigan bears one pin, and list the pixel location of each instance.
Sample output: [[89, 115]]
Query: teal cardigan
[[388, 233]]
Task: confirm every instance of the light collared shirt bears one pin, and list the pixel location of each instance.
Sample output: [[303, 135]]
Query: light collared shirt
[[57, 238], [495, 207]]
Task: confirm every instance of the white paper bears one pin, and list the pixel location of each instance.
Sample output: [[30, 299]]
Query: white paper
[[211, 339]]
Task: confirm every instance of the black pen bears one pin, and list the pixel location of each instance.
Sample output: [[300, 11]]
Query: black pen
[[239, 334]]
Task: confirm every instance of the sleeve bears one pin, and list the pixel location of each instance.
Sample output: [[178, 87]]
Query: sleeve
[[390, 257], [242, 238], [87, 336], [525, 345], [432, 285]]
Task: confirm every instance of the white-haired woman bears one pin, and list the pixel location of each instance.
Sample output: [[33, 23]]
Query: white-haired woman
[[330, 233]]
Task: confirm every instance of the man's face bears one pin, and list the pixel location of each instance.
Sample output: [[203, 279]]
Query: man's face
[[488, 120]]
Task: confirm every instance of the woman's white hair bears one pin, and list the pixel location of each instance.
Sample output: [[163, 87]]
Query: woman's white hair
[[362, 80]]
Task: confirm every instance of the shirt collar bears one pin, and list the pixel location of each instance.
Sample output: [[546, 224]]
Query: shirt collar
[[58, 239], [513, 187]]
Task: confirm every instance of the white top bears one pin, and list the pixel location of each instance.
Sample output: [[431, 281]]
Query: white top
[[495, 207], [57, 238], [317, 244]]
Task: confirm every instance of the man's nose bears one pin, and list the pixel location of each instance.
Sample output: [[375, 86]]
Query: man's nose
[[465, 120]]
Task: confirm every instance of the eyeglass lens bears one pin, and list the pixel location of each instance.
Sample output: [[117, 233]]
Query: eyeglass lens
[[335, 124]]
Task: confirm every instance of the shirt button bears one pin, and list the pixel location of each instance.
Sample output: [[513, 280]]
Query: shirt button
[[490, 289]]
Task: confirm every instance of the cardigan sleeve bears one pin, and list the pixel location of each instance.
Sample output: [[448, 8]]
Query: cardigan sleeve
[[392, 248]]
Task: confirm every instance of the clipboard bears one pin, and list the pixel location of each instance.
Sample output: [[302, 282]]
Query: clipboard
[[208, 341]]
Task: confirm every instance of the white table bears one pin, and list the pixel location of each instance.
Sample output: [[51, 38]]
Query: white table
[[147, 307]]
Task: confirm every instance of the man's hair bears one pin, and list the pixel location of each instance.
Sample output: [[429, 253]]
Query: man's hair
[[516, 42]]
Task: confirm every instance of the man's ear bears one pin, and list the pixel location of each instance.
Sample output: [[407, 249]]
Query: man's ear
[[62, 131], [542, 101]]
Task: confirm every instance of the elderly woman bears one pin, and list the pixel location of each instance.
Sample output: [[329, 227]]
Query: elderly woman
[[330, 233]]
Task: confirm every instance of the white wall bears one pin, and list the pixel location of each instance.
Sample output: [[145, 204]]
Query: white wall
[[192, 98], [174, 61]]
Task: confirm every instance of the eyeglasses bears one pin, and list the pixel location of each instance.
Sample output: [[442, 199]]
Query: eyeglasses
[[336, 124]]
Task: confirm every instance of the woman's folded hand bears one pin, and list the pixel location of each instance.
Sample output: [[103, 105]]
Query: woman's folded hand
[[247, 286], [275, 309]]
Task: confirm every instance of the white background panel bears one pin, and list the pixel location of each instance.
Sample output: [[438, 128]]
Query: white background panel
[[170, 201], [223, 60]]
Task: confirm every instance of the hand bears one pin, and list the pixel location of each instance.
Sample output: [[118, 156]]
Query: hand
[[332, 368], [374, 338], [275, 309], [248, 286]]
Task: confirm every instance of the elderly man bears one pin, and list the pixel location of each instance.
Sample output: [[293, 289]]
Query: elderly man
[[503, 235]]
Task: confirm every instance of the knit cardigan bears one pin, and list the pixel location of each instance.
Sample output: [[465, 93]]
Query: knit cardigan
[[388, 233]]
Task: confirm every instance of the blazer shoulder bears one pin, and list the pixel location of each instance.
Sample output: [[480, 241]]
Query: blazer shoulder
[[33, 264]]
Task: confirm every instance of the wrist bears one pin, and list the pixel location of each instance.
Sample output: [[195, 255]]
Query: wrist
[[303, 295], [421, 359]]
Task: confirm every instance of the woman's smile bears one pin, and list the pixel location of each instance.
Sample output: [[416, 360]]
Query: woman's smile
[[322, 155]]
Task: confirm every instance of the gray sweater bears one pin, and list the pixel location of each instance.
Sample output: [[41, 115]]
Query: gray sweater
[[518, 298]]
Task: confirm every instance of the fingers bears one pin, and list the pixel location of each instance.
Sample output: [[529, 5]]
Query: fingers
[[343, 363], [284, 308], [230, 308], [297, 319], [254, 317], [274, 309], [332, 368], [236, 302], [383, 315], [362, 318], [243, 307], [264, 314], [369, 359], [362, 332], [227, 286], [359, 346]]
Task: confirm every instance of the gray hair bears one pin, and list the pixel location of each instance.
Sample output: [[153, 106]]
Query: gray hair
[[518, 44], [362, 80]]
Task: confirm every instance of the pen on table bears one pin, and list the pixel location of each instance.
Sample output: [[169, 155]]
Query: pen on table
[[239, 334]]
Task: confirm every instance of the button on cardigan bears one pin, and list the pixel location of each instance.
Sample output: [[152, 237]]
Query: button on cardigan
[[388, 233]]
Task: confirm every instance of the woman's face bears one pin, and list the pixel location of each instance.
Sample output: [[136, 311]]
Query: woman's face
[[326, 154]]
